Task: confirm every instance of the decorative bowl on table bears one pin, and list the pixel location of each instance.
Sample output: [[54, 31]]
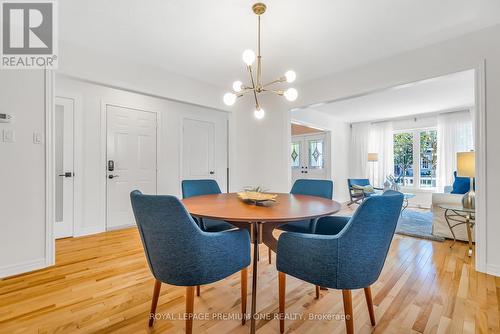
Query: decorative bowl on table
[[256, 196]]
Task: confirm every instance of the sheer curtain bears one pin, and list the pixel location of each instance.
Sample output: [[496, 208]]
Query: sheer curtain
[[372, 138], [360, 137], [382, 142], [454, 134]]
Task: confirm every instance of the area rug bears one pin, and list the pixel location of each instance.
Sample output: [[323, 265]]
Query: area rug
[[416, 224]]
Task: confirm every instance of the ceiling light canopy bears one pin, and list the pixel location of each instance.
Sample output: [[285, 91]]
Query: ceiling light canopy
[[257, 87]]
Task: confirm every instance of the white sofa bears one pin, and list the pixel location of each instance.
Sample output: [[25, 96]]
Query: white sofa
[[439, 226]]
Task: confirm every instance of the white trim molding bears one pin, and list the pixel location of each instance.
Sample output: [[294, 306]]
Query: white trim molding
[[23, 267], [481, 231], [50, 251], [493, 270]]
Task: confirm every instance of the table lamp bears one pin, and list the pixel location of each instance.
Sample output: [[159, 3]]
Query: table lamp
[[373, 157], [466, 167]]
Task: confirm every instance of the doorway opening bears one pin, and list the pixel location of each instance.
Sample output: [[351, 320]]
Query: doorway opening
[[309, 152]]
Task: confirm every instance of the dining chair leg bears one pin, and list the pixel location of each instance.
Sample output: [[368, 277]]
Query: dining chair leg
[[317, 291], [244, 284], [189, 309], [369, 302], [269, 254], [154, 302], [198, 290], [282, 289], [349, 321]]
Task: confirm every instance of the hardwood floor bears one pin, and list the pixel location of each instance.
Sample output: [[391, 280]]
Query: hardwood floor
[[102, 283]]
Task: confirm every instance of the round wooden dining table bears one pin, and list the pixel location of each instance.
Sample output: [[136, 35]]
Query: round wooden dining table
[[260, 220]]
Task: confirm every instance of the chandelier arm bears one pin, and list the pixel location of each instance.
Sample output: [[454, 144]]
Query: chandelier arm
[[240, 94], [243, 91], [278, 92], [282, 79], [257, 105]]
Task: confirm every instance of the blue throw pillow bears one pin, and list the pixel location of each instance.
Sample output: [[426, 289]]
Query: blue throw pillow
[[461, 184]]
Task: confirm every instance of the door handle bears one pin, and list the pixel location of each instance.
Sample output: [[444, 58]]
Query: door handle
[[66, 174], [212, 172], [111, 176]]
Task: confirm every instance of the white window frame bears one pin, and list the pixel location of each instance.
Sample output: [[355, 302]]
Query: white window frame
[[416, 156]]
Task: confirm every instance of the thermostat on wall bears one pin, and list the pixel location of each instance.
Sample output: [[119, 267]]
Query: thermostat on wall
[[5, 118]]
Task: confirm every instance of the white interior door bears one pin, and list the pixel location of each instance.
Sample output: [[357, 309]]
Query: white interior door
[[309, 157], [131, 160], [64, 159], [204, 150]]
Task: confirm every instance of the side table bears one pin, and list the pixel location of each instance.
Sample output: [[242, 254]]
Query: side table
[[456, 215]]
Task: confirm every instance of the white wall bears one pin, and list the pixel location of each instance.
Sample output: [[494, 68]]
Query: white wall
[[89, 99], [459, 54], [259, 148], [22, 170], [340, 136], [415, 123], [114, 71]]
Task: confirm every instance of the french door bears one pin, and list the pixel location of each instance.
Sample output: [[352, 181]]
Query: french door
[[309, 157]]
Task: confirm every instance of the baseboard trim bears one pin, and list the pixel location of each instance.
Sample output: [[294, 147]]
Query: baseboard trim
[[89, 230], [23, 267], [120, 227], [493, 269]]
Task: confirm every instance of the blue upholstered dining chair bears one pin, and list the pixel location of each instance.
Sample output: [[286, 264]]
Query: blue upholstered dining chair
[[180, 253], [345, 253], [311, 187], [192, 188], [357, 196]]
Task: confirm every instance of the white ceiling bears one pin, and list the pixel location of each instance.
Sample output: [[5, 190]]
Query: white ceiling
[[205, 39], [448, 92]]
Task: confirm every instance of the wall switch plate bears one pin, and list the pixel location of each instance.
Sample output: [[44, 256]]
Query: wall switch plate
[[8, 136], [5, 118], [37, 137]]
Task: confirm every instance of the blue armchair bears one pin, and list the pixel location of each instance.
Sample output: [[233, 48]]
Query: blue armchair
[[348, 254], [357, 195], [318, 188], [180, 253], [192, 188]]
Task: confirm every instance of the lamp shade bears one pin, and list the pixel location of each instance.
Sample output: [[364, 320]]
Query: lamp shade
[[466, 164], [372, 156]]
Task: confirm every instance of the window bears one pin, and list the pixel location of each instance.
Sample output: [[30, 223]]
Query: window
[[415, 158], [295, 155], [403, 158], [428, 158], [316, 154]]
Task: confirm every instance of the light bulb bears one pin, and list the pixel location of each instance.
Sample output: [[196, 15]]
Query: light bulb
[[229, 99], [290, 76], [291, 94], [237, 86], [259, 113], [248, 57]]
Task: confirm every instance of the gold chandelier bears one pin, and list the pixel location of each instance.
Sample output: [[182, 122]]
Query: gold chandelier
[[256, 87]]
